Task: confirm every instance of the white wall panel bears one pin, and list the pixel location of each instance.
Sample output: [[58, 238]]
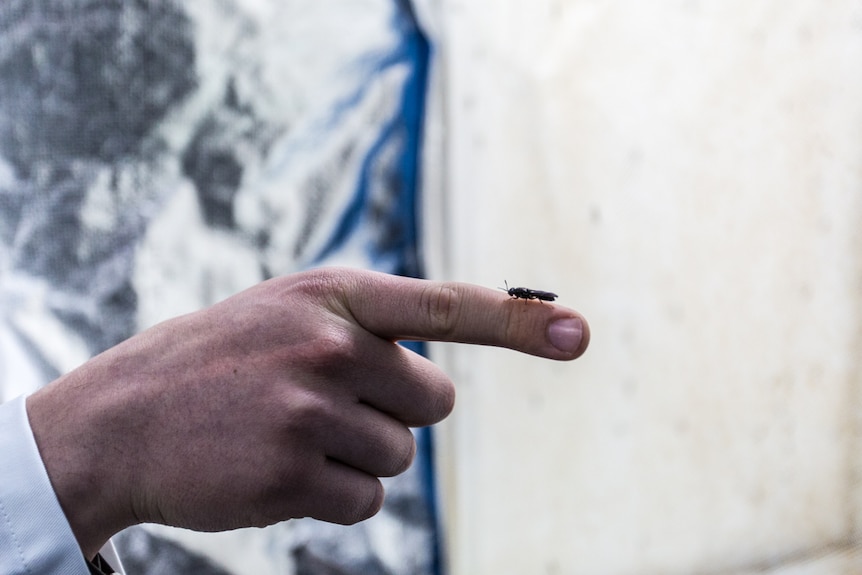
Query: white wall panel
[[688, 174]]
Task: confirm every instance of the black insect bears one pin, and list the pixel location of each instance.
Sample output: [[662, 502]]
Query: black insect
[[526, 293]]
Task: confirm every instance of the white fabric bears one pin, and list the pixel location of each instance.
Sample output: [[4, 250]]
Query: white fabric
[[109, 554], [35, 537]]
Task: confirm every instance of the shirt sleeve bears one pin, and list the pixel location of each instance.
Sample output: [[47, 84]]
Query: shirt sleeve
[[35, 537]]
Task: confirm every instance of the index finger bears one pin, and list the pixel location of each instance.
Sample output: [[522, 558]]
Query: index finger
[[401, 308]]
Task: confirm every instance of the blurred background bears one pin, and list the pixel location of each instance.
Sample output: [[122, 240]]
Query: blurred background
[[686, 173]]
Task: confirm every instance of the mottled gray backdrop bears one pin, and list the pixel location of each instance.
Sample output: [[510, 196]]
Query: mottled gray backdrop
[[158, 156]]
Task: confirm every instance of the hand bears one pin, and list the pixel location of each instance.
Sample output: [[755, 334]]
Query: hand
[[287, 400]]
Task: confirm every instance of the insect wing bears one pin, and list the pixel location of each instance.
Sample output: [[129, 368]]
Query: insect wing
[[543, 295]]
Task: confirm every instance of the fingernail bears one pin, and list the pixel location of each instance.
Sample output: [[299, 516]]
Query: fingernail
[[566, 334]]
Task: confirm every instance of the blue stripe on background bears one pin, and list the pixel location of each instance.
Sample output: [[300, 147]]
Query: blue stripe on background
[[413, 51], [427, 473]]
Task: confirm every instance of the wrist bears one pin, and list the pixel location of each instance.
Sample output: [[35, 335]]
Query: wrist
[[67, 424]]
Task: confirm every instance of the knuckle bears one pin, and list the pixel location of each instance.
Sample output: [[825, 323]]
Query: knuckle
[[439, 397], [364, 503], [441, 305], [328, 353], [402, 456], [306, 416], [283, 492], [310, 407], [317, 281], [328, 285], [445, 399], [333, 346]]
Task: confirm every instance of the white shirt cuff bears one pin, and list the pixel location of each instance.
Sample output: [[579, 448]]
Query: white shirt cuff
[[35, 537]]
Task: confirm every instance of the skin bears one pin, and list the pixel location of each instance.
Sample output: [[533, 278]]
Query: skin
[[287, 400]]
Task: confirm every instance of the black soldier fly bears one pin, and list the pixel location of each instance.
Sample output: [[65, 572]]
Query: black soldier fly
[[526, 293]]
